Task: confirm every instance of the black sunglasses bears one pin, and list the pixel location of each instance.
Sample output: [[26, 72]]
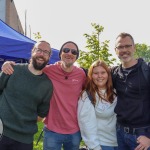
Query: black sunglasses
[[67, 50]]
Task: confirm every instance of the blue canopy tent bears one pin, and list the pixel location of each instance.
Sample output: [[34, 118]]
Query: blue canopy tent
[[17, 47]]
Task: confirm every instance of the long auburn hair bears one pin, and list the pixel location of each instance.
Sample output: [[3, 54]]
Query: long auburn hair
[[92, 88]]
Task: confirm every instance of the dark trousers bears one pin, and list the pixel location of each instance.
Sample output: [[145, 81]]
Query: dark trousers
[[127, 137], [10, 144]]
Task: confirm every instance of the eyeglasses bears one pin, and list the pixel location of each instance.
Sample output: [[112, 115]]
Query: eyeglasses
[[122, 47], [67, 50], [39, 51]]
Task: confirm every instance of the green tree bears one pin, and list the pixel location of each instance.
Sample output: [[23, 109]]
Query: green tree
[[143, 51], [95, 49], [37, 35]]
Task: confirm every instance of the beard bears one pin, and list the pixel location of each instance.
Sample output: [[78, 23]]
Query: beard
[[127, 58], [37, 65], [68, 65]]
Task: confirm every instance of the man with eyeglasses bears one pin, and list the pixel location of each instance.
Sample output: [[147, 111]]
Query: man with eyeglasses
[[61, 125], [24, 99], [133, 106]]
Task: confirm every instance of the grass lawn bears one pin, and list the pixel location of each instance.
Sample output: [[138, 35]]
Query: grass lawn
[[36, 136]]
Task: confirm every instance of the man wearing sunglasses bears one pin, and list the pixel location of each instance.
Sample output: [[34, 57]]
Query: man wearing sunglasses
[[133, 94], [61, 125]]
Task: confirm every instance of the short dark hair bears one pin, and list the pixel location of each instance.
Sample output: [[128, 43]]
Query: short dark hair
[[124, 34], [42, 41], [67, 43]]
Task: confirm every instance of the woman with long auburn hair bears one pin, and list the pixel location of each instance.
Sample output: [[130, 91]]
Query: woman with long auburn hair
[[96, 117]]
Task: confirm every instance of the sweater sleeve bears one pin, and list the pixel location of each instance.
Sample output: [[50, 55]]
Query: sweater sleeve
[[88, 123], [3, 81], [43, 108]]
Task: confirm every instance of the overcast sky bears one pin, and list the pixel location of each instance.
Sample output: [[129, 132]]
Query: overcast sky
[[61, 20]]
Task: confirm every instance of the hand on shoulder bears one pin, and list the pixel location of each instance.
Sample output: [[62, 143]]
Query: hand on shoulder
[[7, 67]]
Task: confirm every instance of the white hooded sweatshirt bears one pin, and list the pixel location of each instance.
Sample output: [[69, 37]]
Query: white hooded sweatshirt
[[97, 124]]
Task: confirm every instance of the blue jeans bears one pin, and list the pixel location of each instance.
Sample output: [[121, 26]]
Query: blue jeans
[[109, 148], [128, 141], [55, 141]]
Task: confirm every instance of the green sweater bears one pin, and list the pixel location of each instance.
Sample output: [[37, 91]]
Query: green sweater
[[23, 97]]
